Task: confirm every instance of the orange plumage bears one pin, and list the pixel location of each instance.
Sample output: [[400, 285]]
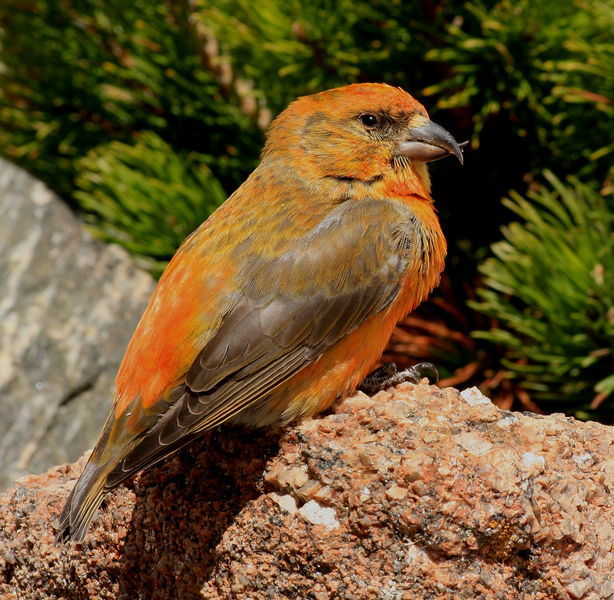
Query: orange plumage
[[286, 296]]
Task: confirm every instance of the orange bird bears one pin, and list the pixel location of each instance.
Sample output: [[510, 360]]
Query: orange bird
[[282, 300]]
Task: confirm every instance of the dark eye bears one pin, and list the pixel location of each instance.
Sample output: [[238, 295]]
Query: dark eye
[[369, 120]]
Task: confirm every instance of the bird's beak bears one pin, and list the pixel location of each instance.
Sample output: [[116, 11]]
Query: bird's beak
[[426, 141]]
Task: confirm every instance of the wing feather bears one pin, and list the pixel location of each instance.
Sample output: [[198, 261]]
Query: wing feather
[[295, 308]]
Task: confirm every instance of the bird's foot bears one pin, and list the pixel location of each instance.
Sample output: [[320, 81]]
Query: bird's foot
[[388, 375]]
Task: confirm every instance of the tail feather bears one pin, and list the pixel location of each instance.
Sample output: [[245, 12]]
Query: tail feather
[[82, 503], [105, 471]]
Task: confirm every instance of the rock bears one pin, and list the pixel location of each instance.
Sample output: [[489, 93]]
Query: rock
[[68, 305], [413, 493]]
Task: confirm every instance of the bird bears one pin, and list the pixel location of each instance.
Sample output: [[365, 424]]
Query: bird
[[284, 299]]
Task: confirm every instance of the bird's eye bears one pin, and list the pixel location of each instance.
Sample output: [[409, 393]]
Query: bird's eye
[[368, 120]]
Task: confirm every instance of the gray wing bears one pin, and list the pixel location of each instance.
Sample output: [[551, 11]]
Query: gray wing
[[295, 307]]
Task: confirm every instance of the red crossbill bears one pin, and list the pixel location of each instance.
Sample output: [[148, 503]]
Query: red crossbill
[[283, 300]]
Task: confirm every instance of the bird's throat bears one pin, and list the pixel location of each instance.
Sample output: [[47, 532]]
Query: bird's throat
[[408, 180]]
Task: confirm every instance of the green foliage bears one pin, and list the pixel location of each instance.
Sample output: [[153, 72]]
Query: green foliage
[[550, 287], [585, 83], [294, 48], [77, 74], [544, 65], [145, 196]]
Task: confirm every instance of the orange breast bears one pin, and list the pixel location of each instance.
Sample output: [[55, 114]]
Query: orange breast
[[184, 308]]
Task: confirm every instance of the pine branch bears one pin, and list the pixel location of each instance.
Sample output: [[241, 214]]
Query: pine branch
[[233, 87]]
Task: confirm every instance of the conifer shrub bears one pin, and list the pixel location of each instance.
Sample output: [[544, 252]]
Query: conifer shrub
[[549, 287]]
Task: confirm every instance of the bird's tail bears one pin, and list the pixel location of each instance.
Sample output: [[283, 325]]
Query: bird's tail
[[82, 503], [91, 486]]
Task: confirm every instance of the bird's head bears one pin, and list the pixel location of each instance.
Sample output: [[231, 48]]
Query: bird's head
[[361, 133]]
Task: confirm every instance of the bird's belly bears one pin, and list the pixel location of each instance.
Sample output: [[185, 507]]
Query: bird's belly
[[336, 374]]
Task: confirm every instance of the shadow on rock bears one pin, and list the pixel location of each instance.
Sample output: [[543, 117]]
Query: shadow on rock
[[182, 509]]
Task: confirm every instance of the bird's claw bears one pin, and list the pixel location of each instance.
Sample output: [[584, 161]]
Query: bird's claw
[[388, 375], [419, 371]]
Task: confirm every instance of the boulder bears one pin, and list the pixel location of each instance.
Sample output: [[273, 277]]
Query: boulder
[[415, 493], [68, 305]]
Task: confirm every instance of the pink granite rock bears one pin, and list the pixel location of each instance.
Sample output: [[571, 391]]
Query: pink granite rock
[[415, 493]]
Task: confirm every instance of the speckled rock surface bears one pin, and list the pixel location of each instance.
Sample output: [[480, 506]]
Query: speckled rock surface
[[68, 305], [416, 493]]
